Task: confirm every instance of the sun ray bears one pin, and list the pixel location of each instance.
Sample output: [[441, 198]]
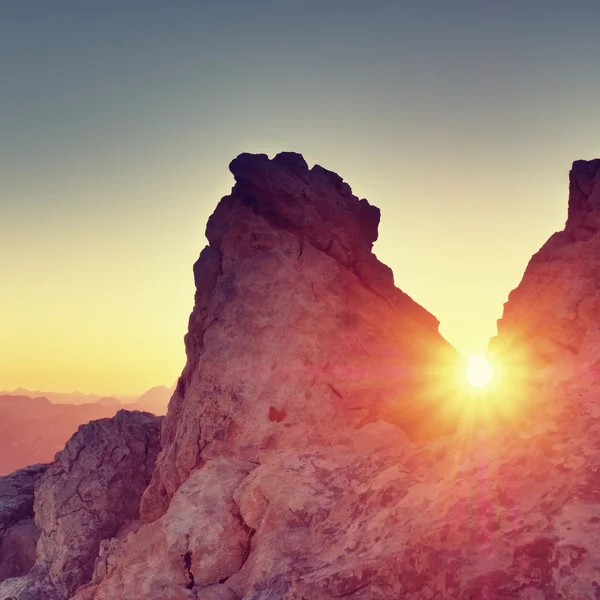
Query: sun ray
[[479, 371]]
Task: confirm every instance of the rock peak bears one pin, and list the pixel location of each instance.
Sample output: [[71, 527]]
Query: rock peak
[[284, 472], [304, 201], [296, 326], [293, 160], [584, 186]]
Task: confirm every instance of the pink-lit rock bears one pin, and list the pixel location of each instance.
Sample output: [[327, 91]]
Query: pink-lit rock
[[297, 330]]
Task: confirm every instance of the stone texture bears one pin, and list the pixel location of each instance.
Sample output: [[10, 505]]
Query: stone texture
[[12, 589], [109, 554], [90, 493], [18, 533], [200, 542], [552, 319], [504, 514], [297, 330]]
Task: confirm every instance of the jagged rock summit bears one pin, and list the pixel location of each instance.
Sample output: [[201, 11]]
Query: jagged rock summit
[[298, 332]]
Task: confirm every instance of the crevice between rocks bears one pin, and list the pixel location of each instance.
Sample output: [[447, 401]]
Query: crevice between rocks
[[187, 565]]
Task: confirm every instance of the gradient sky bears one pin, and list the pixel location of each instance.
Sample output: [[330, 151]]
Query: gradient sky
[[460, 120]]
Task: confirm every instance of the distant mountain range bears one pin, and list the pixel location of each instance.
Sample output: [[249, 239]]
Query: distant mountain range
[[154, 400], [36, 425]]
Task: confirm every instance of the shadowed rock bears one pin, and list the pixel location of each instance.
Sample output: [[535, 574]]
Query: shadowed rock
[[18, 532]]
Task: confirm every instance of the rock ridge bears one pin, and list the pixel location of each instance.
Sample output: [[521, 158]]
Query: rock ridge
[[584, 188]]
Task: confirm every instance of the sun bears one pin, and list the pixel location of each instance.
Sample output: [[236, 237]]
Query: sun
[[479, 370]]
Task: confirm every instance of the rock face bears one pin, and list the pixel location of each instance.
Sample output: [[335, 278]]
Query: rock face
[[502, 515], [553, 316], [18, 533], [90, 493], [298, 331], [199, 542]]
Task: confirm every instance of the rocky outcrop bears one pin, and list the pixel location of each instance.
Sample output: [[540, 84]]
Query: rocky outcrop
[[338, 503], [553, 317], [298, 331], [18, 532], [201, 541], [90, 493]]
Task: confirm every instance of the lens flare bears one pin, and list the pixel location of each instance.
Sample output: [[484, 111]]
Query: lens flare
[[479, 371]]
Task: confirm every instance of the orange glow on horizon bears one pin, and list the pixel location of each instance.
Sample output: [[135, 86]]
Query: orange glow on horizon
[[494, 390]]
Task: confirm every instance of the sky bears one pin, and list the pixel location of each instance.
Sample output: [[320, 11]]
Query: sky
[[118, 120]]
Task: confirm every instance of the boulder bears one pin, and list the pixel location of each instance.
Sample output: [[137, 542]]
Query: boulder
[[90, 493]]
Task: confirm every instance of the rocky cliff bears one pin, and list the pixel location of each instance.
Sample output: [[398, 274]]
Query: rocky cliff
[[298, 331], [552, 319], [18, 532]]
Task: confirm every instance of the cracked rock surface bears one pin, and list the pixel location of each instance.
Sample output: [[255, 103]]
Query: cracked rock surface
[[90, 492], [504, 514], [18, 532], [296, 326], [199, 543]]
